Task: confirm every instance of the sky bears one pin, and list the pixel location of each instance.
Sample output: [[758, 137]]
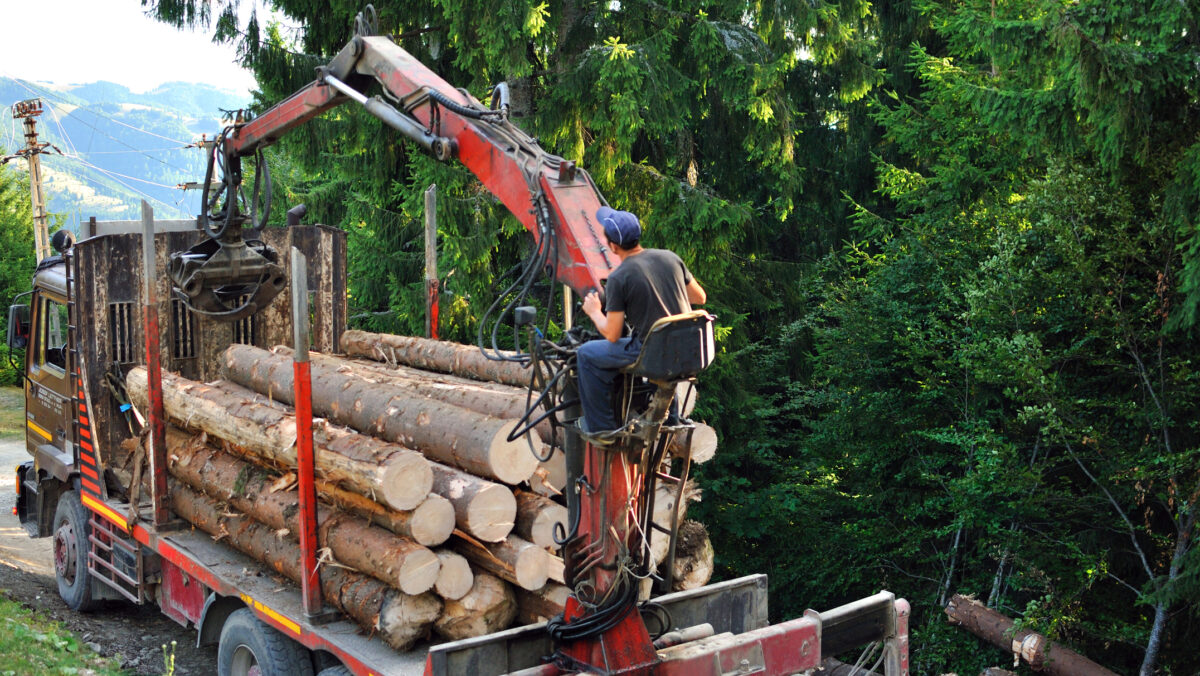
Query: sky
[[81, 41]]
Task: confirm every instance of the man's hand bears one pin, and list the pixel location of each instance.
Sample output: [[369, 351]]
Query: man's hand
[[591, 305]]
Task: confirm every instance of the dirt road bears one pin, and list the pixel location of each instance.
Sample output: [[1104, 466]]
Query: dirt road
[[135, 633]]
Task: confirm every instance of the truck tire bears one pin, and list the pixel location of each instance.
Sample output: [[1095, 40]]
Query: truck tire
[[248, 647], [339, 670], [70, 535]]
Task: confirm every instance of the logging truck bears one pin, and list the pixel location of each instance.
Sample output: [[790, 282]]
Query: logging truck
[[271, 498]]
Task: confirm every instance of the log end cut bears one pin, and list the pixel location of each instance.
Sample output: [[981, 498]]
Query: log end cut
[[489, 607], [406, 480], [405, 619], [455, 577], [432, 521], [514, 461]]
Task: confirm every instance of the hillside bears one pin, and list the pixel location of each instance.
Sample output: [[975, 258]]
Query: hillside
[[117, 146]]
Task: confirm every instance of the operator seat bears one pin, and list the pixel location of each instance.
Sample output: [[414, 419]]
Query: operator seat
[[677, 347]]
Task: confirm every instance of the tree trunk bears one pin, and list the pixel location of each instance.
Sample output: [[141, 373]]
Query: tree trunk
[[488, 607], [1035, 649], [430, 524], [694, 557], [515, 560], [392, 474], [434, 355], [400, 618], [483, 509], [537, 517], [539, 605], [704, 444], [371, 550], [494, 399], [444, 432], [455, 577]]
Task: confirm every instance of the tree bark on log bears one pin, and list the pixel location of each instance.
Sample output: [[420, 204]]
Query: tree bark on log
[[389, 473], [1035, 649], [488, 607], [455, 577], [494, 399], [430, 524], [537, 517], [485, 510], [515, 560], [539, 605], [400, 618], [371, 550], [444, 432], [550, 478], [434, 355], [664, 504], [694, 557]]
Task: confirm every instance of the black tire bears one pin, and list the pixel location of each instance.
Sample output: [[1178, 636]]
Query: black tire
[[247, 642], [70, 541], [339, 670]]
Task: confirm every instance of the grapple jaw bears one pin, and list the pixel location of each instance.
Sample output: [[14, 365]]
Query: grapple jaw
[[227, 279]]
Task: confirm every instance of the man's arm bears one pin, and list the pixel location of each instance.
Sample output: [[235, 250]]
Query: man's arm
[[609, 325], [695, 293]]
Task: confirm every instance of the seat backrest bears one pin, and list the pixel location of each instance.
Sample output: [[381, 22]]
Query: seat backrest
[[677, 347]]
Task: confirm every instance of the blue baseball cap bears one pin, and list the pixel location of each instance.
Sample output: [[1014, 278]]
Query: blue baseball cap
[[620, 227]]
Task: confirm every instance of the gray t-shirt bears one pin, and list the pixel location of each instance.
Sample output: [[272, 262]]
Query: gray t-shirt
[[647, 287]]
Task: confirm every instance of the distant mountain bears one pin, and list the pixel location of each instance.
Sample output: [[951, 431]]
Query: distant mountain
[[117, 146]]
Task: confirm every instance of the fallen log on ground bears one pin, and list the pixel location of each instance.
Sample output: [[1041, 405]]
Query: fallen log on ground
[[400, 618], [485, 510], [444, 432], [370, 550], [488, 607], [455, 578], [514, 559], [434, 355], [537, 518], [397, 476], [1035, 649], [539, 605]]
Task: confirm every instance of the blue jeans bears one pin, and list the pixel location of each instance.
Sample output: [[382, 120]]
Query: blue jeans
[[599, 362]]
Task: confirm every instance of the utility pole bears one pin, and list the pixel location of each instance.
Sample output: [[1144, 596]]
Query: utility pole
[[29, 110]]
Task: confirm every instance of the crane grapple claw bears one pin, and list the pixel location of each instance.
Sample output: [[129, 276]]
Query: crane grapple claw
[[227, 280]]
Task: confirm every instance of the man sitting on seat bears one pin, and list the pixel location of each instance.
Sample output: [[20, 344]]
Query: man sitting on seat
[[647, 285]]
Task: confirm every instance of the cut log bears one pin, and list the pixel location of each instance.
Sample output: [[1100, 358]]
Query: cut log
[[430, 524], [550, 478], [455, 577], [704, 444], [516, 560], [371, 550], [539, 605], [494, 399], [694, 557], [537, 517], [449, 434], [400, 618], [389, 473], [488, 607], [664, 504], [434, 355], [1035, 649], [485, 510], [556, 568]]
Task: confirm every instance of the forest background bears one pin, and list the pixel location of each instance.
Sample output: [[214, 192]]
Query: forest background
[[952, 247]]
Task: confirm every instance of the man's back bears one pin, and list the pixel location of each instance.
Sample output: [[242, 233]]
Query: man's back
[[647, 287]]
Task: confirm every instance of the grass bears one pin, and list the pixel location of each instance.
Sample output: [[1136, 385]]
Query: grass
[[12, 413], [30, 644]]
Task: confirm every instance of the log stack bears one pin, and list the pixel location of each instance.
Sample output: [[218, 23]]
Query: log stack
[[425, 502]]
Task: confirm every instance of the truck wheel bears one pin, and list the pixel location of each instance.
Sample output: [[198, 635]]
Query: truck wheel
[[250, 648], [71, 553]]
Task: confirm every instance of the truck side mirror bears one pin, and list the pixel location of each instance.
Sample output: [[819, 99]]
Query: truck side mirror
[[18, 327]]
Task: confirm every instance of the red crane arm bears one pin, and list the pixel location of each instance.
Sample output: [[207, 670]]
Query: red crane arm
[[508, 162]]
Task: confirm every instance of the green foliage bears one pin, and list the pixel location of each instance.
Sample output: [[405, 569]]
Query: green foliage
[[34, 645]]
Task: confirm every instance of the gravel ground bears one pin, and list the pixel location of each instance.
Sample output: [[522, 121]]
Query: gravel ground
[[135, 633]]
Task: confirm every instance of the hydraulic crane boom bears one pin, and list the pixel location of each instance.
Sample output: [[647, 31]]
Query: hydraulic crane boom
[[550, 196]]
